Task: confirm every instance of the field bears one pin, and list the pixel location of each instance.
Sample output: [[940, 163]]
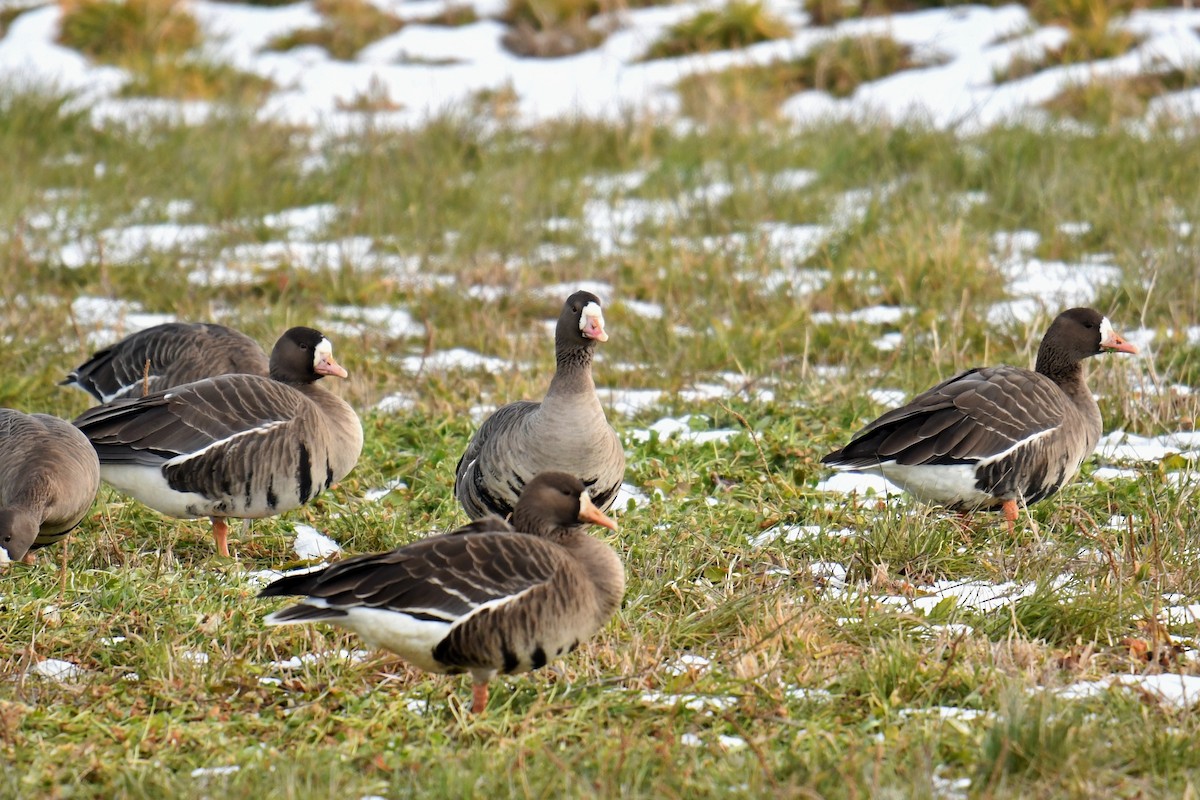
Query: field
[[768, 290]]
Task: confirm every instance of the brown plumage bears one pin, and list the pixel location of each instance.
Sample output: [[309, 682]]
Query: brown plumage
[[48, 479], [567, 431], [489, 597], [232, 446], [994, 437], [165, 356]]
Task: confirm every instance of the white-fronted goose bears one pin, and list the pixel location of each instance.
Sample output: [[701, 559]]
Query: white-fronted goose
[[567, 431], [232, 446], [48, 479], [489, 597], [994, 437], [165, 356]]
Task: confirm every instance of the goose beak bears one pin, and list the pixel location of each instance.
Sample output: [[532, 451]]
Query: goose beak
[[327, 366], [591, 323], [589, 513], [1113, 343]]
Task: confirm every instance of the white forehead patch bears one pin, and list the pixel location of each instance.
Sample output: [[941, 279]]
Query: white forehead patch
[[591, 311], [584, 498], [323, 348], [1106, 330]]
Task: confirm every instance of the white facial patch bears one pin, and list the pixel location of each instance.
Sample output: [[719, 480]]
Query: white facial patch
[[591, 322], [323, 352], [591, 311], [1106, 331]]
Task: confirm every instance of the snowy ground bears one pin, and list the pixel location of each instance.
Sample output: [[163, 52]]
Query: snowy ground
[[965, 47]]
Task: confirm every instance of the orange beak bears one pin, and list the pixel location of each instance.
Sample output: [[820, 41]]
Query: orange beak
[[327, 366], [1115, 344], [589, 513]]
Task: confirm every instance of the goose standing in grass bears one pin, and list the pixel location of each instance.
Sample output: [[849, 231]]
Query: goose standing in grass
[[48, 479], [165, 356], [994, 437], [489, 597], [232, 446], [566, 431]]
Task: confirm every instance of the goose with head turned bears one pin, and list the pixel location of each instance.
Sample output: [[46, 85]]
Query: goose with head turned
[[995, 438], [490, 597], [240, 446], [48, 479], [167, 355], [567, 431]]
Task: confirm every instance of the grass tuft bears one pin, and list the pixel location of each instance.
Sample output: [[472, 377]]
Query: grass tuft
[[754, 92], [128, 32], [739, 23], [350, 25]]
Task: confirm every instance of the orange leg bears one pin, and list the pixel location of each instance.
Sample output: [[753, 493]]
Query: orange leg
[[479, 697], [221, 535], [1009, 508]]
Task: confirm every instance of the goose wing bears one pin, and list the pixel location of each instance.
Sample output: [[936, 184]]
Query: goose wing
[[486, 480], [444, 578], [971, 417], [164, 356], [203, 416]]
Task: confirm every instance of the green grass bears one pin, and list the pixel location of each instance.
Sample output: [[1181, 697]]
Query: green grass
[[752, 92], [835, 694], [737, 24], [350, 25]]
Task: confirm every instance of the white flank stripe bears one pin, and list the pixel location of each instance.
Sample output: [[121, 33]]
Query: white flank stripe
[[259, 431]]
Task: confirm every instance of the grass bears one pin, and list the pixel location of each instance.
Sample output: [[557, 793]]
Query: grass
[[808, 691], [350, 25], [155, 40], [737, 24], [839, 67], [1109, 101]]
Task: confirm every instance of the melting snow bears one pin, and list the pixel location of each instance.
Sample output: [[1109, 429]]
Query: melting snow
[[889, 398], [388, 488], [121, 246], [681, 430], [687, 664], [341, 654], [395, 323], [974, 595], [57, 670], [107, 320], [629, 402], [860, 483], [628, 493], [871, 315], [455, 358], [1042, 288], [1180, 691], [311, 543], [795, 533], [692, 702], [208, 772], [1122, 446]]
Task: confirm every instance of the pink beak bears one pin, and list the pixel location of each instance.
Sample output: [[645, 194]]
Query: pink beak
[[594, 329]]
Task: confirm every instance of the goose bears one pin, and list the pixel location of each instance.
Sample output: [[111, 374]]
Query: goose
[[48, 479], [234, 445], [490, 597], [994, 438], [567, 431], [165, 356]]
